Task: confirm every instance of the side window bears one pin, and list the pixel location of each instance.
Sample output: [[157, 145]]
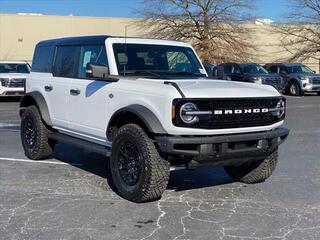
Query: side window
[[228, 69], [42, 59], [273, 69], [94, 54], [65, 62], [283, 70]]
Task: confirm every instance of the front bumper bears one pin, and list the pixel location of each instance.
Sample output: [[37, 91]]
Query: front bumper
[[223, 149], [309, 87], [5, 91]]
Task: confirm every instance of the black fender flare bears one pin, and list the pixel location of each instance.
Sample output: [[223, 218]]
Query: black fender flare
[[36, 98], [144, 114], [295, 81]]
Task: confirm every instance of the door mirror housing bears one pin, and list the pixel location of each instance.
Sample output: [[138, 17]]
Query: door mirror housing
[[99, 72]]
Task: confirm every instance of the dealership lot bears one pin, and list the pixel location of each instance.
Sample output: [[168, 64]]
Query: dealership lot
[[70, 196]]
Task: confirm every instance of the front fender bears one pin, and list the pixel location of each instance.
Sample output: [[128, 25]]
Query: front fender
[[37, 99], [146, 115]]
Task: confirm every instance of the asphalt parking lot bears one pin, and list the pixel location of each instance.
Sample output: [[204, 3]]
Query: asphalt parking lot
[[69, 196]]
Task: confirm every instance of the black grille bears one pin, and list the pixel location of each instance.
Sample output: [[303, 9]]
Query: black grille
[[316, 80], [235, 120], [13, 83]]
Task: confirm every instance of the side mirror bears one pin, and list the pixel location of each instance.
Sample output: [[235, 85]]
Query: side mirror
[[314, 72], [97, 71]]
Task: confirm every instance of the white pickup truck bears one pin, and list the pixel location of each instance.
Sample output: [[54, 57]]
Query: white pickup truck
[[149, 105]]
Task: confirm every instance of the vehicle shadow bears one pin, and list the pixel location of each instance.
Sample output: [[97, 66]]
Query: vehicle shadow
[[180, 180]]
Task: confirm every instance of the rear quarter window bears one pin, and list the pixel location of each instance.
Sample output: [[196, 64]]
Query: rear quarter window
[[42, 59]]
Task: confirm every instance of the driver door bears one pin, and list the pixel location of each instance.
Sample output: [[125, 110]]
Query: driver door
[[88, 98]]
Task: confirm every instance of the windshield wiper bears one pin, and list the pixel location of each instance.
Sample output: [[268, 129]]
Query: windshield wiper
[[186, 73], [142, 71]]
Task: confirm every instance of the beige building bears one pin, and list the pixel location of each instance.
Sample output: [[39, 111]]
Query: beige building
[[19, 34]]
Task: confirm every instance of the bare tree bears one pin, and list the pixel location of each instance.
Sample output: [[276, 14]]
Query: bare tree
[[214, 27], [300, 36]]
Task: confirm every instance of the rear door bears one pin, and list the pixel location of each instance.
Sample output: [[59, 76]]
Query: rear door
[[57, 86], [89, 98]]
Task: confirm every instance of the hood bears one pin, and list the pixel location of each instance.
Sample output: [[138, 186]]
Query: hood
[[212, 88], [14, 75]]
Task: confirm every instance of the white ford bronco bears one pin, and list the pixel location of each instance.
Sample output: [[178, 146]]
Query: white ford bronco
[[148, 105]]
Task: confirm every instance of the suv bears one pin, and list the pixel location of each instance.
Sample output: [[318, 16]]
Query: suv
[[13, 75], [298, 77], [249, 72], [148, 105]]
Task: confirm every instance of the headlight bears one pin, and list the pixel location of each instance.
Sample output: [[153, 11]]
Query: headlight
[[303, 78], [280, 109], [4, 81], [257, 79], [187, 113]]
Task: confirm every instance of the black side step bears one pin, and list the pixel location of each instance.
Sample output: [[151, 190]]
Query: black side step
[[63, 138]]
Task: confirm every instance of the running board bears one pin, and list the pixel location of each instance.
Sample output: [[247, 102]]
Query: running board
[[98, 148]]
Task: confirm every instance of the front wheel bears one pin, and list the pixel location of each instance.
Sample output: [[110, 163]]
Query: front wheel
[[294, 89], [139, 173], [254, 172]]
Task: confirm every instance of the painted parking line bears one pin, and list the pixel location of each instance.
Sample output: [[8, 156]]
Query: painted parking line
[[41, 161], [10, 126], [63, 163]]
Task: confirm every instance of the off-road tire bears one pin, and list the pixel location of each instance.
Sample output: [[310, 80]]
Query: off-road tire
[[254, 172], [298, 91], [42, 147], [154, 175]]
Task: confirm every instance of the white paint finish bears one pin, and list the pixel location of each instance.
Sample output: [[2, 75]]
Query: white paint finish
[[89, 109], [57, 100]]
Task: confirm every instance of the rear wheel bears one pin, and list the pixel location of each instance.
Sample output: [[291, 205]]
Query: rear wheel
[[34, 135], [138, 171], [254, 172]]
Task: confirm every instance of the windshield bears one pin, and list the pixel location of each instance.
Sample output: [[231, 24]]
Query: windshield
[[299, 69], [14, 68], [253, 69], [156, 60]]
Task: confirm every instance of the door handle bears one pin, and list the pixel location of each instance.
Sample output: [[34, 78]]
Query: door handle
[[74, 91], [48, 88]]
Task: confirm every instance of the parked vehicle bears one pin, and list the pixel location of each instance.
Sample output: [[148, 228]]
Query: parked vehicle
[[298, 77], [13, 75], [148, 105], [249, 72]]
